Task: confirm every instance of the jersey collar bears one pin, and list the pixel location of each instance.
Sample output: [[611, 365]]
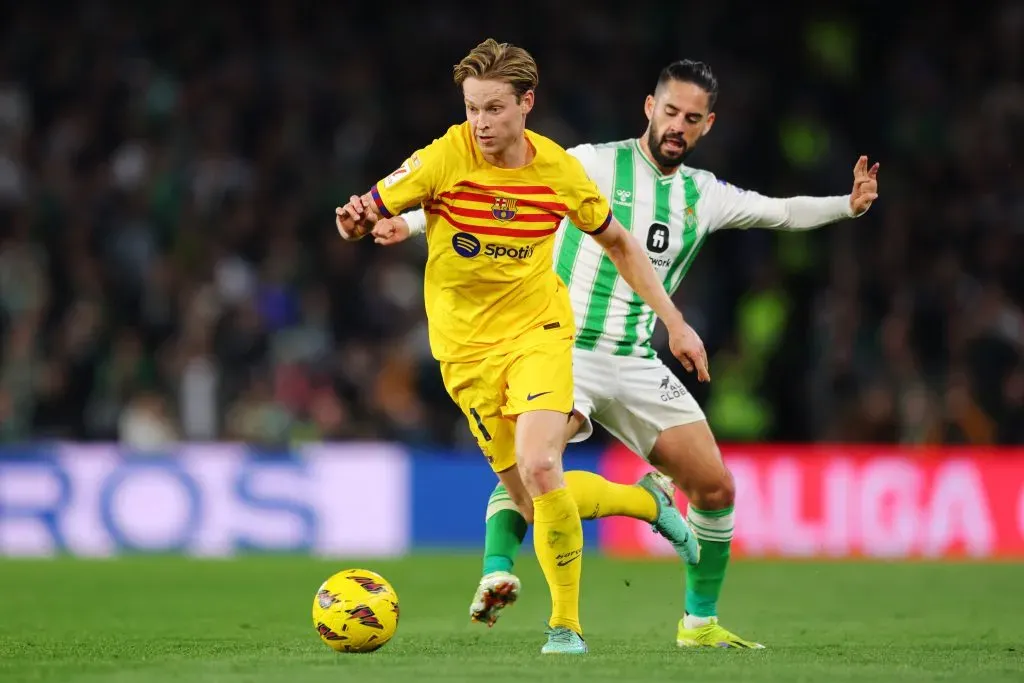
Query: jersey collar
[[650, 164]]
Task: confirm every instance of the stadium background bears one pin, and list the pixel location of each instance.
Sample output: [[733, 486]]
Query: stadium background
[[171, 283], [192, 364]]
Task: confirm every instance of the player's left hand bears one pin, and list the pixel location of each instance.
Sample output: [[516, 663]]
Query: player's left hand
[[865, 186], [687, 346]]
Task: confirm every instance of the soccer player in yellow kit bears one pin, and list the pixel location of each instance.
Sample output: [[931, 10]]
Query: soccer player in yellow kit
[[500, 321]]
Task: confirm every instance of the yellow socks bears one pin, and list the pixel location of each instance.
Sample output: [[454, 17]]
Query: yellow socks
[[597, 497], [558, 533], [558, 542]]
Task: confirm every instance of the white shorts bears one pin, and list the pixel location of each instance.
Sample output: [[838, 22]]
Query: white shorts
[[635, 399]]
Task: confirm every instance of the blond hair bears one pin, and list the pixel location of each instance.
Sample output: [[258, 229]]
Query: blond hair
[[491, 60]]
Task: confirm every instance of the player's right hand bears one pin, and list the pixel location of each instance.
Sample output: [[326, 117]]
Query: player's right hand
[[687, 346], [355, 220], [390, 231]]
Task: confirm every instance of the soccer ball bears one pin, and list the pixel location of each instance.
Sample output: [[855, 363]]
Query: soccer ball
[[355, 610]]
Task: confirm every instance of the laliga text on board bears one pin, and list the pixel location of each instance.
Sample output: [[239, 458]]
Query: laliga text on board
[[879, 502]]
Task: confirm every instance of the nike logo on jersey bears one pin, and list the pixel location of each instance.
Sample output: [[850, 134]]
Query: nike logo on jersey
[[530, 397]]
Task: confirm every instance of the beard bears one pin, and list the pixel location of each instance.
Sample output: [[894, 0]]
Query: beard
[[663, 158]]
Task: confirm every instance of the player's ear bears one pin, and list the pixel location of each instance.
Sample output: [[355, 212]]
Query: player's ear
[[649, 107], [526, 101], [708, 122]]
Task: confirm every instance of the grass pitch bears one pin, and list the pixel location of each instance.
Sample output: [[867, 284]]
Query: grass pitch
[[170, 619]]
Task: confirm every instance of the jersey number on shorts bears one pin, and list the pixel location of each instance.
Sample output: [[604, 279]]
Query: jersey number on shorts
[[480, 424]]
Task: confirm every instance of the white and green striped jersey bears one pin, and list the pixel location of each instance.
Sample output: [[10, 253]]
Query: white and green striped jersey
[[671, 216]]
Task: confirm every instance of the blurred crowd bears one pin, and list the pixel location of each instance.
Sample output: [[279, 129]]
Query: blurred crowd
[[169, 266]]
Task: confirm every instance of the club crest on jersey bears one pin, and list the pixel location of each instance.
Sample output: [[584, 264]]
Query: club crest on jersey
[[504, 208], [690, 219]]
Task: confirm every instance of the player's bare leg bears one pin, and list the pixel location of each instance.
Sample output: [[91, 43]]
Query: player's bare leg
[[690, 456], [510, 510], [514, 481], [611, 499], [558, 531]]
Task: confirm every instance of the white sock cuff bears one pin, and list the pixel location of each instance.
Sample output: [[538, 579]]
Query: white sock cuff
[[500, 500], [716, 525]]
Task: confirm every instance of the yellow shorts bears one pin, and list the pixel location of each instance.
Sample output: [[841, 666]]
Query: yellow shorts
[[493, 391]]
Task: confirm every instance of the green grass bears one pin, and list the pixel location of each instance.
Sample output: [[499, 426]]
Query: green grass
[[164, 619]]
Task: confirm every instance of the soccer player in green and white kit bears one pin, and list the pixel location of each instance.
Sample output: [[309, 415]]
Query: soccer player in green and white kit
[[619, 380]]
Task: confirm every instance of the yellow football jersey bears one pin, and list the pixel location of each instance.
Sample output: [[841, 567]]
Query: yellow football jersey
[[489, 287]]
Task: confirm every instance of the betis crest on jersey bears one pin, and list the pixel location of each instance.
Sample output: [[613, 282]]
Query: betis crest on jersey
[[504, 208], [690, 219]]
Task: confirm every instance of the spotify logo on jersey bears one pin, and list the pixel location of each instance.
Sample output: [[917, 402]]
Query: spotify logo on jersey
[[465, 244]]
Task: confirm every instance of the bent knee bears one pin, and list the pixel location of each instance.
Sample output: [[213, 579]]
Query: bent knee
[[539, 464], [715, 494], [540, 468]]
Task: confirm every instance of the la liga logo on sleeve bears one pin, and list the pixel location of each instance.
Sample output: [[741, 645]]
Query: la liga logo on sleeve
[[400, 173]]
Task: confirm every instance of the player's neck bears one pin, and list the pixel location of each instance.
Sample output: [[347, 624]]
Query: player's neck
[[516, 155], [646, 150]]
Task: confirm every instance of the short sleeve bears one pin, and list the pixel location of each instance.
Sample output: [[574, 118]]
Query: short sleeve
[[416, 180], [587, 207]]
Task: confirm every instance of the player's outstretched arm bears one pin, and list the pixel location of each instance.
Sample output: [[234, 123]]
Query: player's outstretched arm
[[745, 209], [636, 269]]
